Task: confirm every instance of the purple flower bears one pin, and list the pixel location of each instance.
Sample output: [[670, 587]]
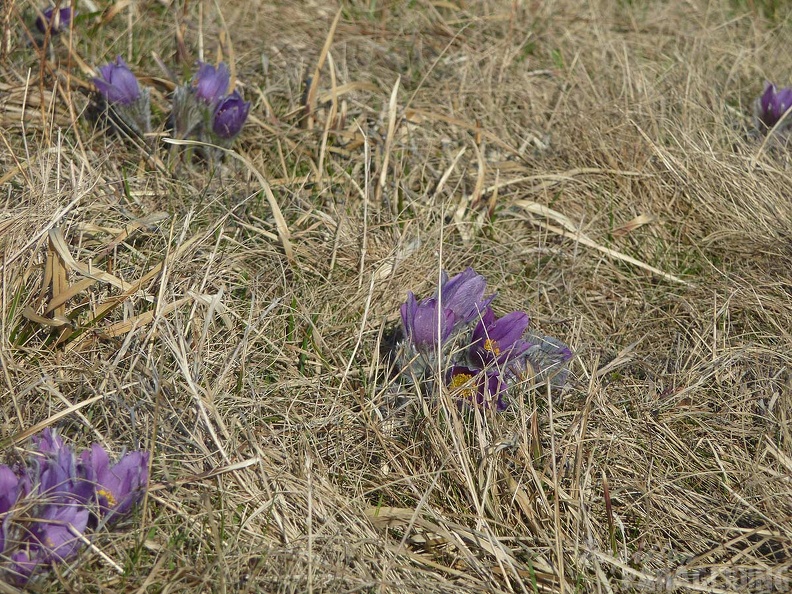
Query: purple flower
[[12, 487], [48, 442], [117, 83], [210, 83], [421, 321], [57, 476], [497, 340], [53, 534], [61, 21], [120, 486], [229, 116], [464, 295], [771, 106], [23, 563], [476, 386]]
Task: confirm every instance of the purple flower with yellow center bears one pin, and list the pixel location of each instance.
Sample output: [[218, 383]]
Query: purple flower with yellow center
[[771, 106], [209, 83], [55, 534], [497, 340], [475, 386], [117, 84], [118, 486], [229, 116], [464, 295], [423, 319], [54, 21]]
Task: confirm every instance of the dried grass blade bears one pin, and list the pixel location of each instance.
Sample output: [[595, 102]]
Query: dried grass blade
[[280, 222], [59, 244], [71, 292], [147, 317], [20, 437], [310, 100], [569, 229], [388, 141]]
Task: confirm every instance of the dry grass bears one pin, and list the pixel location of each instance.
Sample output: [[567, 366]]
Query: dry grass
[[147, 303]]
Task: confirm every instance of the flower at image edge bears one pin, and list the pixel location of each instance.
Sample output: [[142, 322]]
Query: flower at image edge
[[771, 105]]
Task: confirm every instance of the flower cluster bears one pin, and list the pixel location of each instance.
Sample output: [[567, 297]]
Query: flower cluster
[[770, 107], [483, 355], [205, 110], [47, 505]]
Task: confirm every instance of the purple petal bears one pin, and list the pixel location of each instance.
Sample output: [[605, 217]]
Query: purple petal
[[120, 486], [55, 531], [11, 488], [229, 116], [476, 386], [23, 564], [767, 97], [117, 83], [48, 441], [211, 83], [498, 340], [61, 22], [464, 295]]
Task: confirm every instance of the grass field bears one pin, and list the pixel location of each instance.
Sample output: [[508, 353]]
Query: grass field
[[596, 160]]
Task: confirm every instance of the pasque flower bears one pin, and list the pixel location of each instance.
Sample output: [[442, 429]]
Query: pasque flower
[[425, 323], [53, 20], [483, 356], [497, 340], [209, 83], [58, 493], [58, 476], [770, 107], [475, 386], [117, 84], [53, 537], [119, 486], [464, 295], [12, 487], [229, 116], [48, 442]]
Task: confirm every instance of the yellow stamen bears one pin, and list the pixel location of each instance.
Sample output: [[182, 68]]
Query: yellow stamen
[[111, 501], [458, 381], [492, 346]]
